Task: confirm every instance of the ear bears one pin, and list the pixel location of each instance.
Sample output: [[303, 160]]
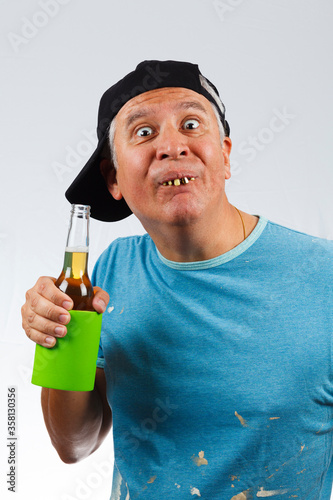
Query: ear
[[110, 175], [226, 150]]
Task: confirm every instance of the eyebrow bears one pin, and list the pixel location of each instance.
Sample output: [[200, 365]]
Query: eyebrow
[[181, 105], [191, 104], [137, 116]]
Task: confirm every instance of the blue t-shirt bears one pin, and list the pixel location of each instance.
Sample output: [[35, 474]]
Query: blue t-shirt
[[219, 373]]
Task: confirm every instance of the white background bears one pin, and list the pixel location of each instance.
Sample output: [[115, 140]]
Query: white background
[[57, 57]]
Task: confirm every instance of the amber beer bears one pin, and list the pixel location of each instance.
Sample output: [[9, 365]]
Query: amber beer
[[74, 279]]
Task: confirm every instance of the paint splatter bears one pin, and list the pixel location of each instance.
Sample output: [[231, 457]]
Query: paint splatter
[[195, 491], [177, 485], [110, 309], [200, 460], [263, 493], [274, 418], [151, 480], [241, 496], [121, 312], [241, 419]]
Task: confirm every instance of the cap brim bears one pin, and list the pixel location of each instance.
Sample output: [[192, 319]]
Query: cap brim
[[89, 188]]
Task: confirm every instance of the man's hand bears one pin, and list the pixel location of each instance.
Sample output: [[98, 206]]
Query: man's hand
[[77, 422], [45, 312]]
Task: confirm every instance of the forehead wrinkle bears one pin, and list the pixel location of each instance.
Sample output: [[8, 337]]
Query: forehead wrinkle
[[142, 113]]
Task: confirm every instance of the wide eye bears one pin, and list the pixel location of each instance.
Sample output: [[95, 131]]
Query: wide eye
[[191, 124], [144, 131]]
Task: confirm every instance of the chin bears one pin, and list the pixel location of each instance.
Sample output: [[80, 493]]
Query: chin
[[183, 218], [171, 214]]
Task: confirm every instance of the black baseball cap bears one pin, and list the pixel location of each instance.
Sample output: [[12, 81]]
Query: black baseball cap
[[89, 187]]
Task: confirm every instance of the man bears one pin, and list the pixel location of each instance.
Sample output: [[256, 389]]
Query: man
[[215, 352]]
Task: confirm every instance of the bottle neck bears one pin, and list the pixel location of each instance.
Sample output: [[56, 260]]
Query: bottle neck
[[78, 232], [74, 279]]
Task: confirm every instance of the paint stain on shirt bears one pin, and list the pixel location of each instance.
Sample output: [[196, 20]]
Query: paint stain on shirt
[[195, 491], [200, 460], [151, 480], [264, 494], [241, 496], [241, 419]]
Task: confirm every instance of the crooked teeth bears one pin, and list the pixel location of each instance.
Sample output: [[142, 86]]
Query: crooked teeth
[[178, 182]]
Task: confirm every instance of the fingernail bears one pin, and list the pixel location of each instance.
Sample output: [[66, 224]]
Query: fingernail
[[102, 303], [59, 330], [50, 340], [67, 305], [63, 318]]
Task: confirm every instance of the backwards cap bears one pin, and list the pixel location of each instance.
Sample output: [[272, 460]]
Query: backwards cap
[[89, 187]]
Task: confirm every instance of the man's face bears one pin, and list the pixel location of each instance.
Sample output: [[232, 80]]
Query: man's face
[[163, 135]]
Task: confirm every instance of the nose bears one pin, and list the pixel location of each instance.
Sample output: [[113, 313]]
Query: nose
[[171, 144]]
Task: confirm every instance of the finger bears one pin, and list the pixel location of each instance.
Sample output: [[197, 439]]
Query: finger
[[42, 318], [41, 324], [37, 305], [100, 300], [46, 288], [39, 337]]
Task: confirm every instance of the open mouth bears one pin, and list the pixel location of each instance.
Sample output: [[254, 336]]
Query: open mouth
[[178, 182]]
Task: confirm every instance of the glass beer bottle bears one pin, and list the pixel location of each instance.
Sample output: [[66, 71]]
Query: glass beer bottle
[[74, 279]]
